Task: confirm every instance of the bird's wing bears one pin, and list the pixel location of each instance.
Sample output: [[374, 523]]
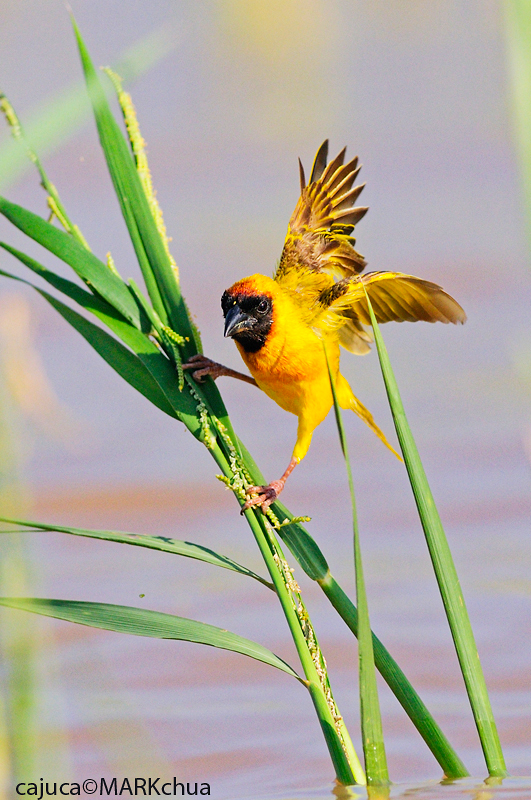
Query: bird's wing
[[318, 238], [404, 298], [321, 269], [394, 297]]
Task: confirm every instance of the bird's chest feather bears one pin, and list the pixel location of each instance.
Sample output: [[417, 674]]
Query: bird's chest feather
[[291, 366]]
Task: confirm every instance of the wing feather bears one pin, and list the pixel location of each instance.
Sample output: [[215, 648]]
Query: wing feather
[[403, 298], [395, 297], [318, 237], [302, 176], [389, 306], [319, 162], [331, 169]]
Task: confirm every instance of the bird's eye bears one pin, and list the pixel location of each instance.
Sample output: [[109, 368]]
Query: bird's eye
[[262, 307]]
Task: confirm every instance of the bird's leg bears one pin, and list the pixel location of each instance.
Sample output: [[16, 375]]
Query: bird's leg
[[203, 366], [265, 495]]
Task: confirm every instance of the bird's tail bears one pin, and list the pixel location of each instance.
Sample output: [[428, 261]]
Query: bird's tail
[[348, 400], [364, 414]]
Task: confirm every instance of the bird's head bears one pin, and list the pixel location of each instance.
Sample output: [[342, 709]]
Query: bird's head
[[248, 311]]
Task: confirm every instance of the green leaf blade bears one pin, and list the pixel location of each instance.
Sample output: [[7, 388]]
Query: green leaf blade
[[153, 259], [142, 622], [146, 368], [84, 263], [397, 681], [444, 568], [162, 543], [163, 288], [122, 360]]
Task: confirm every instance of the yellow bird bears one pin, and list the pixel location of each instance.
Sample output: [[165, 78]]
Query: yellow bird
[[316, 300]]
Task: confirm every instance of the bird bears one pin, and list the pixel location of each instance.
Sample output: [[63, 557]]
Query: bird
[[289, 328]]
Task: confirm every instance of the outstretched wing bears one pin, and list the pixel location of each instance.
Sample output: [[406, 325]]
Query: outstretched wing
[[404, 298], [394, 297], [318, 237], [321, 268]]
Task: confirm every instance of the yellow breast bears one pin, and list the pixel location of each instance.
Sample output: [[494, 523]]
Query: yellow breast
[[291, 366]]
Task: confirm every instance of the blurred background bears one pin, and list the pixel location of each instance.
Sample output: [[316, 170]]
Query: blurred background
[[237, 91]]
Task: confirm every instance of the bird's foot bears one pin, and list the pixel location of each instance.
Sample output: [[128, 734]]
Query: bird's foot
[[263, 495], [203, 367]]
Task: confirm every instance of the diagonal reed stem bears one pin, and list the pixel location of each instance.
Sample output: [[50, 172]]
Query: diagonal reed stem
[[445, 570], [346, 763]]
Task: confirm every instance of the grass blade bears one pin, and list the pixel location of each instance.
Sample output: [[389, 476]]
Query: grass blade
[[89, 268], [122, 360], [163, 543], [90, 302], [445, 571], [141, 622], [154, 262], [163, 287], [397, 681], [54, 201], [371, 720], [154, 376]]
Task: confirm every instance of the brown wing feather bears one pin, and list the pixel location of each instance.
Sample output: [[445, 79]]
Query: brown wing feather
[[353, 336], [319, 230], [404, 298], [319, 162], [394, 296]]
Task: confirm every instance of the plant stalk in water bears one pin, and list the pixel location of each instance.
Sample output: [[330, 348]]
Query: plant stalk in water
[[445, 571], [371, 720]]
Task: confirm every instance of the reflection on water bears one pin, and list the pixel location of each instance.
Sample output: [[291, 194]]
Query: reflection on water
[[465, 789]]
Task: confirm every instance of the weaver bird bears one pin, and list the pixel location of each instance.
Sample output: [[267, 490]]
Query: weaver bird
[[317, 300]]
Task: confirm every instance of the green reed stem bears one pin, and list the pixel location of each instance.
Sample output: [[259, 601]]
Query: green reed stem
[[311, 559], [347, 773], [404, 692], [445, 571], [54, 201], [371, 720]]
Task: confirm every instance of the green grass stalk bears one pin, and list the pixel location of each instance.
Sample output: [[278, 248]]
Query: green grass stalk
[[445, 570], [371, 720], [404, 692], [54, 201], [347, 766]]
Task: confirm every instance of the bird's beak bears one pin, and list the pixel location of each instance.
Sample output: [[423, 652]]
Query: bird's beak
[[237, 320]]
